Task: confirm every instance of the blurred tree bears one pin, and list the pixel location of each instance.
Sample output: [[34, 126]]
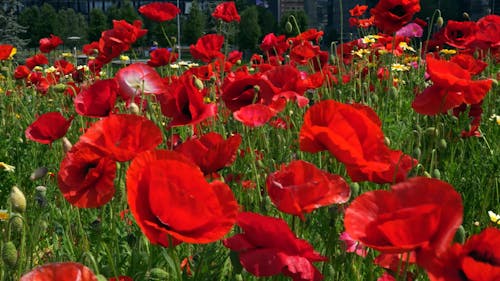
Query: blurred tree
[[267, 22], [250, 31], [98, 22], [71, 24], [194, 26], [11, 31]]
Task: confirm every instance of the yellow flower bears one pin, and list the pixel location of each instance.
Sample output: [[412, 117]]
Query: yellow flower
[[7, 167], [12, 53], [399, 67], [66, 55], [51, 69], [361, 52], [124, 58], [4, 215], [370, 39], [448, 52], [405, 47], [494, 217]]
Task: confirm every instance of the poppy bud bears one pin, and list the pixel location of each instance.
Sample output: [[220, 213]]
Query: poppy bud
[[466, 16], [374, 98], [442, 144], [256, 88], [60, 88], [66, 144], [354, 189], [9, 254], [417, 153], [387, 141], [436, 174], [288, 27], [238, 277], [439, 22], [432, 131], [460, 235], [198, 83], [39, 173], [16, 222], [158, 274], [17, 200], [101, 278], [133, 108], [173, 40]]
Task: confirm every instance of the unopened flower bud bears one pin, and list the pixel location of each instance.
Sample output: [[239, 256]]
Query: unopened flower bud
[[198, 83], [66, 144], [100, 277], [432, 131], [158, 274], [288, 27], [439, 22], [134, 108], [417, 152], [40, 195], [442, 144], [39, 173], [17, 200], [436, 174], [355, 189], [60, 88], [16, 222], [9, 254], [460, 235], [466, 16]]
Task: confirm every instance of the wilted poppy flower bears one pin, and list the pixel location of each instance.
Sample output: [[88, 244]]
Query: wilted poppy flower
[[211, 152], [6, 51], [226, 11], [452, 86], [391, 15], [172, 202], [123, 136], [48, 127], [300, 187], [61, 271], [183, 102], [420, 214], [50, 43], [353, 134], [208, 47], [159, 11], [98, 100], [137, 79], [477, 259], [161, 57], [268, 247], [86, 177]]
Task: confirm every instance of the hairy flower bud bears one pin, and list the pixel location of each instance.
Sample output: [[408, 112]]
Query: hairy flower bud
[[17, 200], [9, 254], [39, 173]]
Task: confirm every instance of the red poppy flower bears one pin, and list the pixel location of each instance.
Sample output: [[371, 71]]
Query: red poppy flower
[[117, 40], [98, 100], [353, 134], [312, 34], [208, 47], [38, 59], [6, 51], [268, 247], [234, 56], [460, 34], [123, 136], [391, 15], [488, 33], [91, 49], [274, 45], [61, 271], [304, 52], [477, 259], [50, 43], [86, 177], [300, 188], [137, 79], [64, 66], [159, 11], [183, 102], [452, 86], [358, 10], [21, 72], [226, 11], [254, 115], [421, 215], [469, 63], [169, 197], [121, 278], [211, 152], [48, 127], [161, 57]]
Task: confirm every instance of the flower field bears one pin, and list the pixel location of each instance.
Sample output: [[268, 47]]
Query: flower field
[[377, 159]]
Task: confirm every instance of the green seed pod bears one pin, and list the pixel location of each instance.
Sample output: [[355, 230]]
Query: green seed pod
[[17, 200], [436, 174], [355, 189], [158, 274], [288, 27], [460, 235], [9, 254], [442, 144]]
